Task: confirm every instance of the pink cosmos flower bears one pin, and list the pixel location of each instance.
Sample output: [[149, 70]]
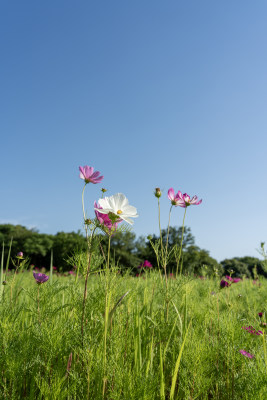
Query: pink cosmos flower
[[224, 283], [40, 278], [88, 174], [251, 330], [229, 278], [145, 264], [186, 201], [175, 199], [246, 354], [236, 280], [104, 219]]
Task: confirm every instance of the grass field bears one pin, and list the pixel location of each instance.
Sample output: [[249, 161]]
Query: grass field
[[150, 344]]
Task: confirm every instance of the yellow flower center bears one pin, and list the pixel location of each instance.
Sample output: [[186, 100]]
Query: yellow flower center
[[119, 212]]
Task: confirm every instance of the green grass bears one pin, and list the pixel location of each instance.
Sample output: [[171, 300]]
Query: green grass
[[183, 346]]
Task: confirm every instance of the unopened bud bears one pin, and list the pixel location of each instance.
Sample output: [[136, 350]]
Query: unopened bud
[[20, 255], [4, 283], [157, 193], [149, 237], [103, 190]]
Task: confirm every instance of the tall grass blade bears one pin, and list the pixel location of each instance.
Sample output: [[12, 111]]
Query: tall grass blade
[[116, 305], [2, 270], [177, 365], [8, 256], [51, 268]]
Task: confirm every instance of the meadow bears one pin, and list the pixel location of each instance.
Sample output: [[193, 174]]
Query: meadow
[[137, 343], [100, 332]]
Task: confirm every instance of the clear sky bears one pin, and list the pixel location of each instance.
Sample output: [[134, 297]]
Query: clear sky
[[151, 93]]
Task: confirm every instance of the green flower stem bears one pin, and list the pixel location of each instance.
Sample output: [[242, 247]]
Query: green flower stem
[[84, 216], [168, 235], [109, 239], [180, 253], [162, 254]]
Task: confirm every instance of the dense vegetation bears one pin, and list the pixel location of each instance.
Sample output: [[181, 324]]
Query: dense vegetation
[[139, 342], [127, 251]]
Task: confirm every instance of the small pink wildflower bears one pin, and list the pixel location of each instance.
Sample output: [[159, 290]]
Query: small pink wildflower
[[88, 175], [251, 330], [236, 280], [260, 314], [224, 283], [145, 264], [229, 278], [186, 201], [40, 278], [246, 354], [175, 199]]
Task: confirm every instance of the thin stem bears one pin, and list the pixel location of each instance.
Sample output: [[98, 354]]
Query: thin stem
[[160, 233], [168, 235], [181, 246], [109, 239], [84, 216]]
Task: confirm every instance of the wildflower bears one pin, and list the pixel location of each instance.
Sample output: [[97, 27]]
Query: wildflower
[[54, 268], [157, 193], [40, 278], [186, 201], [20, 255], [87, 173], [236, 280], [260, 314], [104, 219], [117, 207], [262, 324], [246, 354], [175, 199], [251, 330], [145, 264], [229, 278], [224, 283]]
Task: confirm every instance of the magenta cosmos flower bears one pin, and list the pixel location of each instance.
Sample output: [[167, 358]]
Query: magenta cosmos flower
[[145, 264], [224, 283], [88, 175], [236, 280], [104, 219], [186, 201], [251, 330], [175, 199], [246, 354], [40, 278]]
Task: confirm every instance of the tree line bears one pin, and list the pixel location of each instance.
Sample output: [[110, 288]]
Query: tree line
[[128, 252]]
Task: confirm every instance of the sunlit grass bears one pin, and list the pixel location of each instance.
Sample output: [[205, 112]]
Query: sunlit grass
[[190, 351]]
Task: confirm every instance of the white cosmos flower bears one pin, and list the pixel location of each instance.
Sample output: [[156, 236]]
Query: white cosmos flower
[[118, 205]]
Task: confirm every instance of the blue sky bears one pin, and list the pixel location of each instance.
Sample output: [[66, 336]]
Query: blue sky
[[150, 93]]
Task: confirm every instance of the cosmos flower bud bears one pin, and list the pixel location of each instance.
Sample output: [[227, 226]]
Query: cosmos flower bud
[[157, 192], [4, 283], [20, 255], [103, 190]]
